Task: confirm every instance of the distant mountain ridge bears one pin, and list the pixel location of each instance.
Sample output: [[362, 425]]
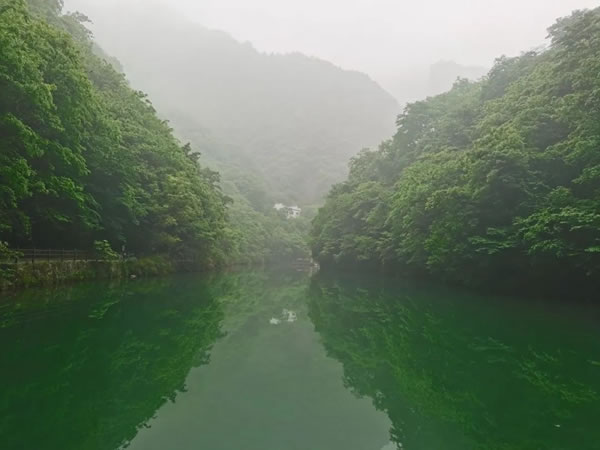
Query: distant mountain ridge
[[417, 83], [292, 119]]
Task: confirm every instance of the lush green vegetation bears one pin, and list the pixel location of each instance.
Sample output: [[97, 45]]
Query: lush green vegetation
[[84, 158], [495, 182], [85, 161]]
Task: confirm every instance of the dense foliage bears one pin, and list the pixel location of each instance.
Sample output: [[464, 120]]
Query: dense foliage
[[494, 181], [83, 157]]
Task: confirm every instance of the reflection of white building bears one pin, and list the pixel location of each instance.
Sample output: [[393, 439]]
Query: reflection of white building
[[291, 212], [392, 446]]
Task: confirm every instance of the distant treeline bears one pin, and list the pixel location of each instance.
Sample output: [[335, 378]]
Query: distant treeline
[[496, 182]]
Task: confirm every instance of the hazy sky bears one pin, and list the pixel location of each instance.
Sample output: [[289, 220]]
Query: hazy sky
[[381, 37]]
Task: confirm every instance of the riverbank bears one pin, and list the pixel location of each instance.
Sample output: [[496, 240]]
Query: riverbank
[[52, 273], [582, 290], [14, 277]]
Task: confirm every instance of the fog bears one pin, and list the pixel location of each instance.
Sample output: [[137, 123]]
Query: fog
[[383, 38], [278, 87]]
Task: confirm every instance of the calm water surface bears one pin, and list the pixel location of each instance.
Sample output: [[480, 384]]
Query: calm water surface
[[277, 361]]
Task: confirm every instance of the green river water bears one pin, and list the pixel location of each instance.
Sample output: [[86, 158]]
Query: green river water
[[266, 360]]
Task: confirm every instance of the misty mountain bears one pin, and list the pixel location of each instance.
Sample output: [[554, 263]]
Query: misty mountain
[[443, 74], [418, 83], [291, 119]]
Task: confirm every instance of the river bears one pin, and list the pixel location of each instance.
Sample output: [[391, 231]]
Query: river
[[273, 360]]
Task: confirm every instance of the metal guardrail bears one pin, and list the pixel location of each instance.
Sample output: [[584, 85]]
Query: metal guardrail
[[33, 254]]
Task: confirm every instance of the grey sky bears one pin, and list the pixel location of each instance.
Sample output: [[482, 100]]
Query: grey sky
[[381, 37]]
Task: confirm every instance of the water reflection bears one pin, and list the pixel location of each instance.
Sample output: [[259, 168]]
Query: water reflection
[[83, 367], [457, 371], [183, 363], [269, 386], [271, 360]]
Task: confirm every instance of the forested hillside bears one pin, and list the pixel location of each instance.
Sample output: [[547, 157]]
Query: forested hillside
[[84, 158], [290, 120], [495, 182]]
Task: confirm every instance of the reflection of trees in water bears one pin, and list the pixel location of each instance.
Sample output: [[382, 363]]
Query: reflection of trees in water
[[251, 298], [451, 372], [458, 372], [99, 361]]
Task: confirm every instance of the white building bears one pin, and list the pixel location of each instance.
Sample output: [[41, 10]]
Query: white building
[[291, 212]]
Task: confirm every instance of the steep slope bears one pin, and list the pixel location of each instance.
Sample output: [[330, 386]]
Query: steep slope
[[291, 119]]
